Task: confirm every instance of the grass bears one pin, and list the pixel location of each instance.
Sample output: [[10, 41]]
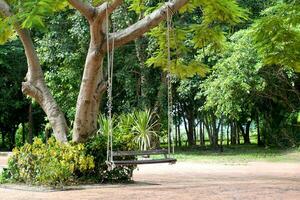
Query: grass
[[237, 154]]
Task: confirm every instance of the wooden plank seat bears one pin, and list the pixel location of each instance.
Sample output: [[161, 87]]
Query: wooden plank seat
[[164, 152], [140, 153], [140, 162]]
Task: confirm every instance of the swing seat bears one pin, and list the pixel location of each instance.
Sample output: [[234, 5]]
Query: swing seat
[[142, 153], [141, 162]]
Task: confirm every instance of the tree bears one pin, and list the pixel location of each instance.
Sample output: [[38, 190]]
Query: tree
[[22, 16]]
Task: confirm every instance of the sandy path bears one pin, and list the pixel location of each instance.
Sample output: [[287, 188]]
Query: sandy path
[[185, 181]]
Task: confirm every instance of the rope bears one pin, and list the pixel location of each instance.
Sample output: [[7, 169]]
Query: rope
[[169, 83], [110, 67]]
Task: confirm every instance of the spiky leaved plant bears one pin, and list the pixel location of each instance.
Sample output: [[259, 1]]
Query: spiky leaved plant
[[143, 128]]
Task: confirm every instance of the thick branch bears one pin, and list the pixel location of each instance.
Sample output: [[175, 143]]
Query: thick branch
[[34, 69], [30, 90], [85, 9], [101, 10], [142, 26], [36, 88]]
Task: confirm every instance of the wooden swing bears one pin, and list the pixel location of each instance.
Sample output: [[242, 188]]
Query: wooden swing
[[113, 157]]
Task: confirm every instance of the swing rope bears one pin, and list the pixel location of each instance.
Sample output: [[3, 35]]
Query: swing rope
[[110, 67], [169, 83]]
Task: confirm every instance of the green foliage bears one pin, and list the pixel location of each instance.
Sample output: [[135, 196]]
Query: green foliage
[[33, 13], [278, 105], [230, 90], [178, 66], [208, 30], [277, 35], [13, 105], [96, 146], [53, 163], [138, 6], [62, 53], [57, 164], [6, 30], [28, 14], [122, 131], [226, 11], [241, 87], [143, 128], [131, 130], [204, 37]]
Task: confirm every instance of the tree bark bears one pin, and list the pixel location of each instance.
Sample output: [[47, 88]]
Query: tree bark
[[227, 139], [201, 132], [190, 133], [237, 134], [247, 133], [179, 136], [222, 137], [259, 141], [233, 133]]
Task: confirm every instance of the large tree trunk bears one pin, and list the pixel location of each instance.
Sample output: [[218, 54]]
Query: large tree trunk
[[259, 141], [232, 133], [221, 139], [237, 134], [227, 132], [247, 133], [179, 136], [91, 90], [201, 134], [190, 133]]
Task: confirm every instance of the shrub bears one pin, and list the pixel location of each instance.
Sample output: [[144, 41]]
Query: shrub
[[57, 164], [53, 163], [97, 147]]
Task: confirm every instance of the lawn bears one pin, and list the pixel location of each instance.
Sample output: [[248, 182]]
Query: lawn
[[237, 154]]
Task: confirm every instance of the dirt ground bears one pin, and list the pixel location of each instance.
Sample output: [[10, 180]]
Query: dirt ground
[[185, 181]]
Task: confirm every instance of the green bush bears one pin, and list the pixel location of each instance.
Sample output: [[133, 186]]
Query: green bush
[[57, 164], [96, 147], [131, 131], [53, 163]]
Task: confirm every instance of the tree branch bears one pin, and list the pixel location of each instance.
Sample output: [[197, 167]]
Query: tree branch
[[86, 10], [101, 10], [142, 26]]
